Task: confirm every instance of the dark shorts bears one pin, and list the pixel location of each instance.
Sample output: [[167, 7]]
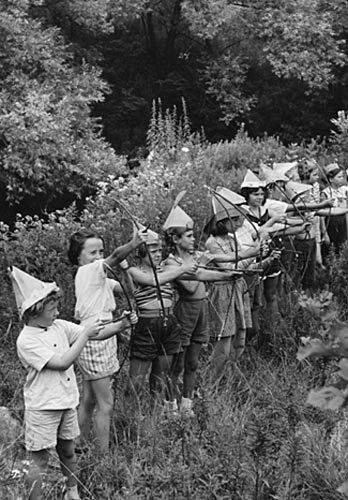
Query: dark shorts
[[306, 251], [193, 319], [152, 338]]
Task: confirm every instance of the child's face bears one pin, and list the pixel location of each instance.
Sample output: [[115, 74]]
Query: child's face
[[256, 198], [233, 223], [48, 315], [156, 254], [93, 249], [186, 241]]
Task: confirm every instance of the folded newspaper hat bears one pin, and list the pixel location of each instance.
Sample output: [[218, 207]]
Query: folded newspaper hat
[[270, 176], [225, 204], [29, 290], [251, 181], [284, 167], [294, 189]]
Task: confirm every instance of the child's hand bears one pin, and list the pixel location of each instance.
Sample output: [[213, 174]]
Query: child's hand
[[94, 328], [140, 236], [129, 319], [205, 259], [124, 264], [189, 267]]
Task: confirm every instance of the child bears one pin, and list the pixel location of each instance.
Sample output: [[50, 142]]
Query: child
[[95, 299], [191, 309], [157, 333], [48, 347]]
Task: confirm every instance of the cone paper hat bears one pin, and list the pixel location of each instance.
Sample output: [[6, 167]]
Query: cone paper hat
[[223, 205], [177, 217], [332, 169], [29, 290], [251, 181], [270, 176], [153, 238], [294, 189], [284, 168]]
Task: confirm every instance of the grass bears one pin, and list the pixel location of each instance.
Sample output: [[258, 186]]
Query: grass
[[253, 438]]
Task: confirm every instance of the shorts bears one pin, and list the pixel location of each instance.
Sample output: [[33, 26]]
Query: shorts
[[152, 338], [43, 427], [193, 318]]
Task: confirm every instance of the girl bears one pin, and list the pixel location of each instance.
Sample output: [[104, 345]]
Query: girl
[[263, 211], [191, 309], [157, 333], [337, 189], [95, 299], [230, 300]]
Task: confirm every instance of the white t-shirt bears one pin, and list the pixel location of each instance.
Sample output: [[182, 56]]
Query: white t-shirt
[[47, 389], [94, 293]]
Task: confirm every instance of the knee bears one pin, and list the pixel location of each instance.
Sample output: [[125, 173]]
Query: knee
[[191, 365], [66, 450], [106, 405]]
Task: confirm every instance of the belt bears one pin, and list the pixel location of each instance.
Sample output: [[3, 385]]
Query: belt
[[154, 313]]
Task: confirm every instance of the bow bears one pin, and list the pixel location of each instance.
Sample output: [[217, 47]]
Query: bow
[[153, 267]]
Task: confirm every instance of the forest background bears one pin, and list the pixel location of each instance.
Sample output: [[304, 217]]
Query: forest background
[[102, 102]]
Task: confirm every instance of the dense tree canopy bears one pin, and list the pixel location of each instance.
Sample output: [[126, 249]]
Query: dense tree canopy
[[75, 69]]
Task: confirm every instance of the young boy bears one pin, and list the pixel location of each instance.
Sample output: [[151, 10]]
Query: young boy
[[48, 347]]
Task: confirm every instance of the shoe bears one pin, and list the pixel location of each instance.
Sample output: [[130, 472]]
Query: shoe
[[186, 408], [70, 495], [170, 408]]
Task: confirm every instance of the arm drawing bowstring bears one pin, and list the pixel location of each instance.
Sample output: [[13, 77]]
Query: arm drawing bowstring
[[153, 267]]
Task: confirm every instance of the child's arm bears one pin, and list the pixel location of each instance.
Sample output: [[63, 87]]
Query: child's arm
[[164, 277], [114, 328], [122, 252], [64, 361]]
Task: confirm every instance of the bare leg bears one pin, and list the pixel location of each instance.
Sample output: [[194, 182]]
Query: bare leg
[[67, 457], [138, 371], [270, 293], [190, 369], [85, 411], [159, 377], [220, 356], [176, 370], [38, 467], [104, 406]]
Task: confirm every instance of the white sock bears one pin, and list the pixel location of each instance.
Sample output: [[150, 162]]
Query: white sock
[[186, 403], [72, 493]]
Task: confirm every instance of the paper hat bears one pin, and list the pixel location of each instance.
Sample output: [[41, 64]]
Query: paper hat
[[270, 176], [153, 238], [223, 204], [251, 181], [29, 290], [332, 169], [284, 168], [177, 218], [294, 189]]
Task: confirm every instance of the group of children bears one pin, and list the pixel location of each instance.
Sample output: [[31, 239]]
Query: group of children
[[275, 226]]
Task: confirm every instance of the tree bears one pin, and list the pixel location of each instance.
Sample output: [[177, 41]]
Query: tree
[[52, 150]]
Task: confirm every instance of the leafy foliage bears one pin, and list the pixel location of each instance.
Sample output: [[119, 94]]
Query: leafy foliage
[[53, 146]]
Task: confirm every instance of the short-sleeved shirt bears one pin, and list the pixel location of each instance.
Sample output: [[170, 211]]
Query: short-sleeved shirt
[[339, 195], [47, 389], [94, 293]]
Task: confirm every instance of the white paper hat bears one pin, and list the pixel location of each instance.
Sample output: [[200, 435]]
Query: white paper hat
[[153, 238], [29, 290], [270, 176], [284, 168], [223, 205], [252, 181], [294, 189], [178, 218]]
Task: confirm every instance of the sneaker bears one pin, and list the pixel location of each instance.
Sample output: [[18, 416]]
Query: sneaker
[[170, 408], [186, 408], [71, 495]]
